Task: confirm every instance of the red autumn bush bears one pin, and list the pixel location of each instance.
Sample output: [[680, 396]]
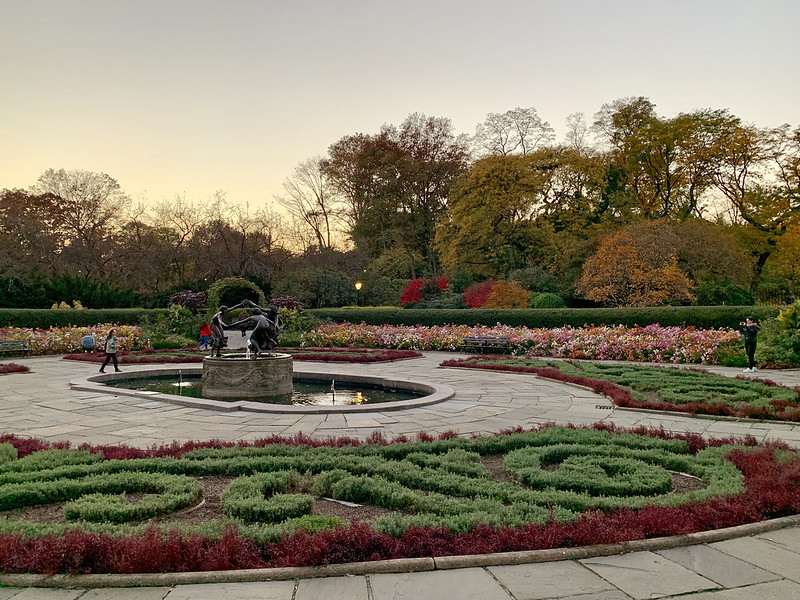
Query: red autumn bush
[[476, 295]]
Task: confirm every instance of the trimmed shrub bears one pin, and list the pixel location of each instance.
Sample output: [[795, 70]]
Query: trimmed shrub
[[704, 317], [43, 318], [547, 300]]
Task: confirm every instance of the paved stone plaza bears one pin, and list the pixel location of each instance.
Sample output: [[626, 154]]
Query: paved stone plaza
[[40, 404]]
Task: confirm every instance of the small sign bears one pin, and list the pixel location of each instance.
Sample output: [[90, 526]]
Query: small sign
[[603, 406]]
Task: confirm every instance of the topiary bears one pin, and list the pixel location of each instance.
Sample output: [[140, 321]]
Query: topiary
[[547, 300], [221, 290]]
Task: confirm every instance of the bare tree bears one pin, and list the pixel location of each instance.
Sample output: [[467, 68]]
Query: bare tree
[[309, 198], [517, 131]]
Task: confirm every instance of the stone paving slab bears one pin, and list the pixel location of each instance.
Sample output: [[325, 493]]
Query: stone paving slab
[[464, 584], [776, 590], [270, 590], [334, 588], [549, 580], [764, 554], [46, 594], [644, 575], [724, 569], [615, 595], [152, 593]]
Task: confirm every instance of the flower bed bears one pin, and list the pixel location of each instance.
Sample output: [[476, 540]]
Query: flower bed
[[63, 340], [652, 343], [656, 388], [191, 355], [7, 368], [545, 488]]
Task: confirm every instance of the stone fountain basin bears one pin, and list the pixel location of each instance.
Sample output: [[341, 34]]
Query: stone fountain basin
[[435, 392]]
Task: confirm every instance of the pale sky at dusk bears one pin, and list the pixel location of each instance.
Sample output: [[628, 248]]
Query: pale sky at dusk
[[193, 96]]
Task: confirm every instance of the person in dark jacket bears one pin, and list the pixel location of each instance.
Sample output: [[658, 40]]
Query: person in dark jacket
[[749, 330]]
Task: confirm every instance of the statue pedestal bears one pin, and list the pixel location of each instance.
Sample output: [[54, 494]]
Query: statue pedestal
[[235, 376]]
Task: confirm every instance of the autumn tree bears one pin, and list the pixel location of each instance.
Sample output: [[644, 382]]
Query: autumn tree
[[487, 228], [92, 206], [32, 235], [638, 266], [396, 183], [508, 294]]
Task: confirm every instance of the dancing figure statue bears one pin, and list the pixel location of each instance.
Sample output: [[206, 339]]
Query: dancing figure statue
[[217, 323], [268, 327]]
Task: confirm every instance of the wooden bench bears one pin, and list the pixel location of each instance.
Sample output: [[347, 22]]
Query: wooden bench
[[473, 343], [13, 346]]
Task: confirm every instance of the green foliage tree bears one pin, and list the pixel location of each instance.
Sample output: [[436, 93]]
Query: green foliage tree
[[396, 184]]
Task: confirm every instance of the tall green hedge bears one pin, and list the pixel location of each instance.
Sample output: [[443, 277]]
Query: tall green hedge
[[42, 318], [705, 317]]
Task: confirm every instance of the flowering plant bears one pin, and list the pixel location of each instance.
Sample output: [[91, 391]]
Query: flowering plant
[[652, 343], [63, 340]]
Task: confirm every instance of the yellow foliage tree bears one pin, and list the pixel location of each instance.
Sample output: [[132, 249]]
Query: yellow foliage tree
[[637, 266], [508, 294]]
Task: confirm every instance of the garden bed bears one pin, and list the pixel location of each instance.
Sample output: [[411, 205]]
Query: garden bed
[[693, 391], [298, 501], [192, 355], [647, 344], [8, 368]]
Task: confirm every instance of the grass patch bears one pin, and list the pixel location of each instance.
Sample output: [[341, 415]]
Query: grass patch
[[559, 486], [691, 391]]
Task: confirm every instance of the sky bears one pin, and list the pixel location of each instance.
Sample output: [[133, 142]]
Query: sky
[[190, 97]]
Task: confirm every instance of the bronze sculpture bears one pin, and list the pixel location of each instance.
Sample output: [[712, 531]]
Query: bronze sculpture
[[218, 339], [267, 330]]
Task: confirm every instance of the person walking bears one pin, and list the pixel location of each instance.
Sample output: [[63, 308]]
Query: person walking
[[749, 330], [111, 352]]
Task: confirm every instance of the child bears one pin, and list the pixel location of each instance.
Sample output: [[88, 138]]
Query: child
[[205, 335]]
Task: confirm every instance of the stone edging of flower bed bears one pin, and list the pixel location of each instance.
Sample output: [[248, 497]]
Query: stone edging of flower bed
[[435, 393], [400, 565], [613, 407]]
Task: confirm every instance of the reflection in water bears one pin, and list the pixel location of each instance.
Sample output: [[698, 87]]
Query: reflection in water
[[306, 391]]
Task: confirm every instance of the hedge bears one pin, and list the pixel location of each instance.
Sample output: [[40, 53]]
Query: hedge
[[43, 318], [704, 317]]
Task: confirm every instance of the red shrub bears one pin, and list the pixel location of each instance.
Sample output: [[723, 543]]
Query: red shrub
[[6, 368], [476, 295], [413, 292]]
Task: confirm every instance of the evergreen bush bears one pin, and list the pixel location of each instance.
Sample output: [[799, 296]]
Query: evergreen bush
[[704, 317]]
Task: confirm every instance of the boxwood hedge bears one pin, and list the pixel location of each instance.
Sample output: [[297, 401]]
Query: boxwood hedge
[[705, 317], [43, 318]]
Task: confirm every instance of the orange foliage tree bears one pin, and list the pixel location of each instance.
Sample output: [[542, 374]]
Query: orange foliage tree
[[508, 294], [637, 266]]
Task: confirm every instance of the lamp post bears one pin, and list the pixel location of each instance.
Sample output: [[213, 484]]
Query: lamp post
[[358, 290]]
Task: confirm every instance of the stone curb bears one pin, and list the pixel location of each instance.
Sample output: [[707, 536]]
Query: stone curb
[[401, 565], [435, 393]]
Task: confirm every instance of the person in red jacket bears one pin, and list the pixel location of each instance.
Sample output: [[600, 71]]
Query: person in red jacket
[[205, 335]]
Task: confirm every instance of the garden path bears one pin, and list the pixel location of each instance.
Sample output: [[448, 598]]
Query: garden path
[[762, 566], [40, 404]]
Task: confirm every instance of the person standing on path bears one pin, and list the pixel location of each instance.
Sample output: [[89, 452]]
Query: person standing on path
[[111, 352], [205, 335], [749, 330]]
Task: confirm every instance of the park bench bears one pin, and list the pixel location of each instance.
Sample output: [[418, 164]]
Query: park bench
[[481, 344], [13, 346]]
